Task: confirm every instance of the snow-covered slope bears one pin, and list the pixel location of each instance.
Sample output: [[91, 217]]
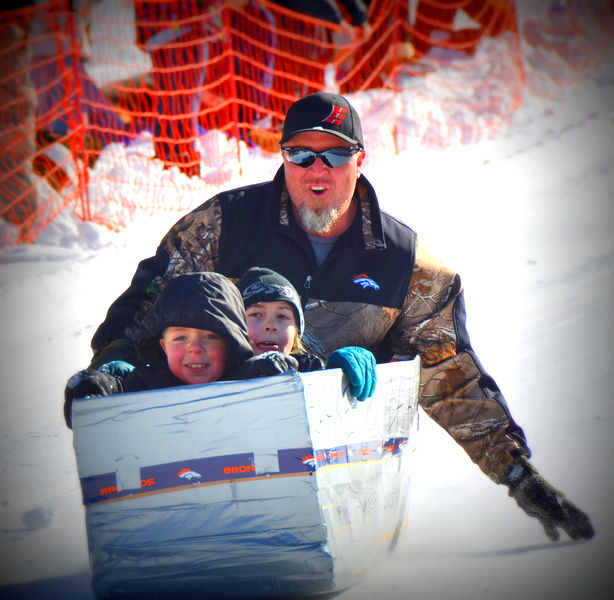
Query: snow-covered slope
[[527, 219]]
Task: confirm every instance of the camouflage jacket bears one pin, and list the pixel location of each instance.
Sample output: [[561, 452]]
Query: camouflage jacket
[[376, 289]]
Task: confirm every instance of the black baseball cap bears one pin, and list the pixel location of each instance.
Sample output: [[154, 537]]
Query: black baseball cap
[[325, 112]]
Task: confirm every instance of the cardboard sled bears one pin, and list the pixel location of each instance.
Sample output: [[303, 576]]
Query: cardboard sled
[[277, 487]]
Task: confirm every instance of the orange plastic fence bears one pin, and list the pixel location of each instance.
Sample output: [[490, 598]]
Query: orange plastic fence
[[157, 85], [31, 40]]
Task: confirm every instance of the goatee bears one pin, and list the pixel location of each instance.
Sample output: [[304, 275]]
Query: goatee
[[318, 222]]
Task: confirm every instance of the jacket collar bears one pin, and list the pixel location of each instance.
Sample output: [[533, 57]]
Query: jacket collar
[[366, 230]]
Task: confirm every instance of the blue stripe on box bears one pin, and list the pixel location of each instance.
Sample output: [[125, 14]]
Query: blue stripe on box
[[232, 467]]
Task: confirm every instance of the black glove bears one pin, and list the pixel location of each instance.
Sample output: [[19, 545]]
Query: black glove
[[88, 382], [540, 500], [265, 365]]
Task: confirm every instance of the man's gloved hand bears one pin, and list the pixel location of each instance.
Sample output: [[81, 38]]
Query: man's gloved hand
[[88, 382], [121, 349], [540, 500], [265, 365], [358, 365], [117, 368]]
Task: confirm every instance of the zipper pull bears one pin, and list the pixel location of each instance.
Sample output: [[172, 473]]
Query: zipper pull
[[307, 283]]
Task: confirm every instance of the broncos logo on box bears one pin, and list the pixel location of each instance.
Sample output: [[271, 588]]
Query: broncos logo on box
[[309, 461], [189, 474]]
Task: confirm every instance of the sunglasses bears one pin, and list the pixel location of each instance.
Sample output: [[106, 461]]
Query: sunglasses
[[333, 157]]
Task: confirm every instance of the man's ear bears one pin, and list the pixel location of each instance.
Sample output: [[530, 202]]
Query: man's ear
[[361, 157], [163, 345]]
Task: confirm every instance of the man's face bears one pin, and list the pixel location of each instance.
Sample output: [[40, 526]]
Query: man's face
[[322, 196]]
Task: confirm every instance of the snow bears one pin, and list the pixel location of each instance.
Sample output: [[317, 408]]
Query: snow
[[526, 218]]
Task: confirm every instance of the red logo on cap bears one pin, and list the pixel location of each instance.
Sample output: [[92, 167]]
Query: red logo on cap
[[336, 116]]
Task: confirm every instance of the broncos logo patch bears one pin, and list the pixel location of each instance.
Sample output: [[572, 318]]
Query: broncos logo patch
[[365, 282]]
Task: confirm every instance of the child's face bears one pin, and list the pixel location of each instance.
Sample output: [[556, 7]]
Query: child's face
[[194, 355], [271, 326]]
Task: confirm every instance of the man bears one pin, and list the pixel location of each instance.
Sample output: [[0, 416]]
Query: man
[[364, 281]]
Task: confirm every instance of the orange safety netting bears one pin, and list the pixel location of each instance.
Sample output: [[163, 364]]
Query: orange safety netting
[[84, 93]]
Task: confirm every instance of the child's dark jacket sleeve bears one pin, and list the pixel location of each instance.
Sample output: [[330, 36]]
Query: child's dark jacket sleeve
[[89, 382], [308, 362]]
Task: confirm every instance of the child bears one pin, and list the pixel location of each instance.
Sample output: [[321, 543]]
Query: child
[[194, 333], [275, 322], [274, 315]]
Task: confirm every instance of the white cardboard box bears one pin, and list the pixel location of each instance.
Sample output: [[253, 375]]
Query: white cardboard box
[[268, 488]]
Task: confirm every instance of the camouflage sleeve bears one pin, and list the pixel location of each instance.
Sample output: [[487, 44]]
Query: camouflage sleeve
[[454, 388], [190, 245]]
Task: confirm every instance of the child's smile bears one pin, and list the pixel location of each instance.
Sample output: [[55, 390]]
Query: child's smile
[[265, 346]]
